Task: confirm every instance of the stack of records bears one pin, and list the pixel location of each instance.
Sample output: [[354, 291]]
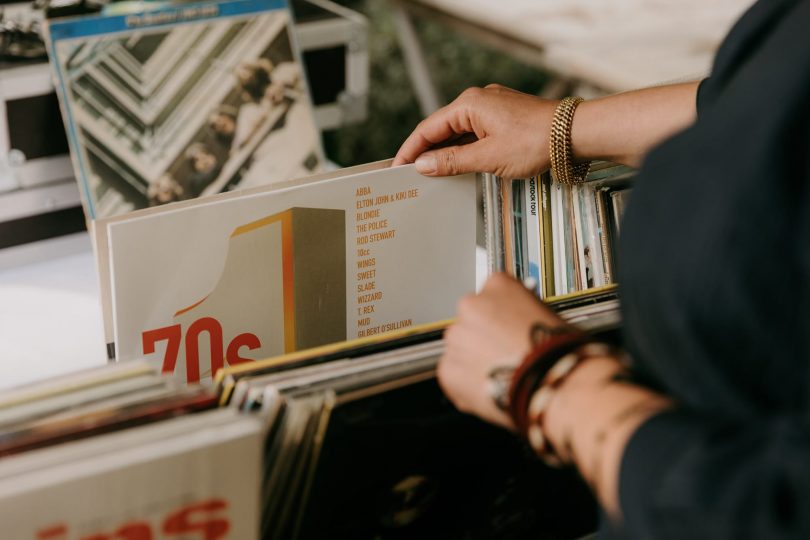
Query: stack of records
[[123, 452], [364, 445], [560, 238], [353, 440]]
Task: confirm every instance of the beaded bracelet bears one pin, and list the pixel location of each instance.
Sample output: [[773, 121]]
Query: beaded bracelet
[[560, 151], [529, 375], [535, 381], [539, 402], [499, 379]]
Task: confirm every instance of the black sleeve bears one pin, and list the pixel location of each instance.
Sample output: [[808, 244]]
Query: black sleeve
[[684, 476], [699, 101]]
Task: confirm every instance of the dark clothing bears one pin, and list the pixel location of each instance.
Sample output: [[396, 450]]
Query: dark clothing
[[715, 277]]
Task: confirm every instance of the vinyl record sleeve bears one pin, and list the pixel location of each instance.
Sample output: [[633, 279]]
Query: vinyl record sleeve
[[180, 101], [519, 228], [546, 237], [101, 239], [285, 524], [509, 236], [227, 281], [146, 475], [227, 378], [398, 464], [284, 519], [58, 402], [78, 450], [74, 403], [74, 382], [331, 373], [105, 418], [588, 195], [285, 493], [309, 395], [557, 220], [583, 253], [289, 444], [602, 220], [533, 210], [493, 223], [65, 427], [569, 224], [561, 303], [619, 199]]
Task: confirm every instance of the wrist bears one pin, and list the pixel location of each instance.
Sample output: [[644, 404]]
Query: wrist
[[593, 416], [536, 369], [535, 384], [588, 139], [623, 127], [576, 397], [565, 167]]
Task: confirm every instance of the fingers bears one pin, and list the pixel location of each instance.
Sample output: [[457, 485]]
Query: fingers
[[464, 377], [450, 121], [515, 308], [501, 285], [453, 160], [502, 122], [445, 123]]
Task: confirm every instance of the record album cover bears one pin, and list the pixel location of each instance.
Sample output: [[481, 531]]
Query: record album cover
[[405, 463], [236, 278], [182, 101]]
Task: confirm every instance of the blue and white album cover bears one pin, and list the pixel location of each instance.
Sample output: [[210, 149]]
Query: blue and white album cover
[[182, 101]]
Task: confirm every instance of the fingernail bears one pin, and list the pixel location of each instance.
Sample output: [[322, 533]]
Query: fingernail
[[426, 164]]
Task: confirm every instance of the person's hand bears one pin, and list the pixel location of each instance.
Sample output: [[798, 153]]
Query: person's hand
[[511, 131], [491, 330]]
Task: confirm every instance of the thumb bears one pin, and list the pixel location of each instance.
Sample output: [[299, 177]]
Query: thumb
[[453, 160]]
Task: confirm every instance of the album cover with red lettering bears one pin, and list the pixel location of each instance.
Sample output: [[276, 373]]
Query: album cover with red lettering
[[196, 476], [240, 277]]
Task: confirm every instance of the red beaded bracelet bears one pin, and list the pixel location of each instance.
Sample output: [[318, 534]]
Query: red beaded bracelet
[[529, 375], [541, 399], [543, 370]]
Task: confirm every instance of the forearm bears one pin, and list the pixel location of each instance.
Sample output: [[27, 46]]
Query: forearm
[[592, 417], [683, 473], [623, 127], [511, 130]]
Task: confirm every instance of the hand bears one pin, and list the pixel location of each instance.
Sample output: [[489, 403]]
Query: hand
[[491, 330], [511, 129]]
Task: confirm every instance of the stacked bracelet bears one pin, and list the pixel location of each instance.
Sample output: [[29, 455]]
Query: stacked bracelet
[[560, 151], [529, 376], [535, 381], [500, 377]]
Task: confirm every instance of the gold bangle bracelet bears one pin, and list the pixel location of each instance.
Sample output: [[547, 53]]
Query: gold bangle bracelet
[[561, 155]]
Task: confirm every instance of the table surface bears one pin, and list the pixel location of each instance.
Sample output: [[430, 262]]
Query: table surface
[[616, 45], [50, 312]]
